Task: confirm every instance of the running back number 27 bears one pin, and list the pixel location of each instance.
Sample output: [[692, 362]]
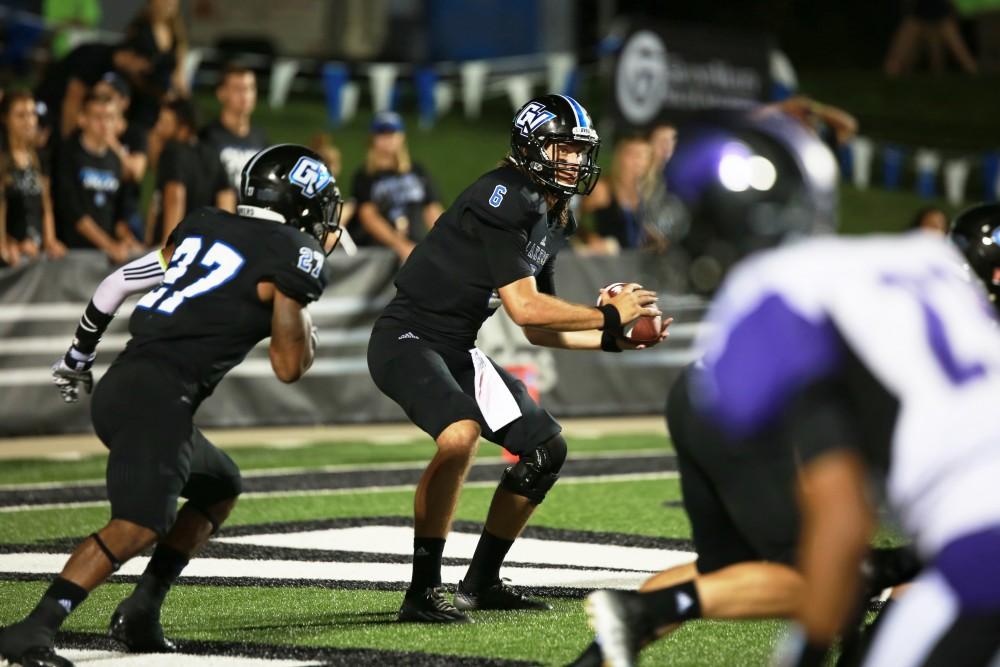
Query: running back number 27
[[220, 260]]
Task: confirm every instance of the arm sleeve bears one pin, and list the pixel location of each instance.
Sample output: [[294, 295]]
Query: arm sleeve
[[297, 269], [547, 278], [139, 275]]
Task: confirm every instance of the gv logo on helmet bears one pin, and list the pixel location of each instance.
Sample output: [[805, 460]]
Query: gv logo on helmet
[[532, 116], [310, 175]]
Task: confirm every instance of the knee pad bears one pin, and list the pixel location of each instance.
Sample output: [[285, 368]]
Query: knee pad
[[535, 473]]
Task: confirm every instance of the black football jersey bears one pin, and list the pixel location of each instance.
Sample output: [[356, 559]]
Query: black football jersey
[[205, 316], [499, 230]]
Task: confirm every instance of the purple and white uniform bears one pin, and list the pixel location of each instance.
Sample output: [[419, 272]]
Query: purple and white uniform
[[882, 344]]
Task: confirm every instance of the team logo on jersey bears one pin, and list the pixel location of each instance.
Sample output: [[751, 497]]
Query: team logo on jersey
[[310, 175], [533, 116]]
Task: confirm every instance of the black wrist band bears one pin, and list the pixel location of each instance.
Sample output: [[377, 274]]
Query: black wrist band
[[612, 320], [609, 343], [90, 329]]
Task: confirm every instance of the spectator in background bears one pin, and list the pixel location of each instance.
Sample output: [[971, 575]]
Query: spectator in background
[[931, 219], [27, 226], [615, 201], [158, 35], [64, 15], [88, 183], [397, 203], [188, 174], [66, 82], [323, 144], [130, 144], [656, 213], [932, 24], [232, 135]]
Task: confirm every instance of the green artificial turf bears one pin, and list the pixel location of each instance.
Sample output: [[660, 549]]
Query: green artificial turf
[[310, 455]]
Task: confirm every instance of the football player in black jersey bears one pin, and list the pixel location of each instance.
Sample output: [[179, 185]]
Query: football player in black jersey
[[221, 284], [496, 245]]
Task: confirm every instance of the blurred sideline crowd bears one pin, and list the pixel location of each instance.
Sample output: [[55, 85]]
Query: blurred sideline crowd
[[75, 151]]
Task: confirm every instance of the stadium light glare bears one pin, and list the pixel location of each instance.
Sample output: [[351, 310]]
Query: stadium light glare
[[763, 175]]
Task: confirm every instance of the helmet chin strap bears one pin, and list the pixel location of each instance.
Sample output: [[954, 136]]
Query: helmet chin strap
[[260, 213]]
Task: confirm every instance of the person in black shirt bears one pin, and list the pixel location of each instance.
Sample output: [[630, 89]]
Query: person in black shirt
[[397, 203], [220, 285], [495, 245], [88, 185], [26, 224], [616, 206], [129, 143], [158, 35], [233, 137], [188, 174], [68, 81]]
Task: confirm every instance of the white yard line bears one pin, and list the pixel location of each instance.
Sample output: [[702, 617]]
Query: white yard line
[[399, 540], [629, 477], [93, 658]]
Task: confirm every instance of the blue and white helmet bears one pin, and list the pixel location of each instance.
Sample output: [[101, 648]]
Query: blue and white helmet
[[555, 119], [291, 184]]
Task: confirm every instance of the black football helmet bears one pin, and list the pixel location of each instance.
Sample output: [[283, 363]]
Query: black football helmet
[[741, 182], [555, 119], [291, 184], [976, 232]]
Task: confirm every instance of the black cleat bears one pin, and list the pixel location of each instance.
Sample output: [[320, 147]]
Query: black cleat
[[139, 630], [591, 657], [39, 656], [616, 617], [499, 595], [29, 643], [430, 607]]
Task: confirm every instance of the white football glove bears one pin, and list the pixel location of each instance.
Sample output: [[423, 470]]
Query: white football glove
[[69, 380]]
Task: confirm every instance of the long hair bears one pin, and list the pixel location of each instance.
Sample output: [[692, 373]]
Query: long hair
[[177, 28], [403, 162], [6, 157]]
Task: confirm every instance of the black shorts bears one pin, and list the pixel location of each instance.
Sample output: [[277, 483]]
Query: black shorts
[[434, 384], [740, 497], [142, 414]]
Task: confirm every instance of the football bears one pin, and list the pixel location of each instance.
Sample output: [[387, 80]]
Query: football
[[642, 330]]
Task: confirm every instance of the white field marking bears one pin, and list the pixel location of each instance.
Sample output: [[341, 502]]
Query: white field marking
[[352, 467], [93, 658], [35, 563], [629, 477], [399, 540]]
